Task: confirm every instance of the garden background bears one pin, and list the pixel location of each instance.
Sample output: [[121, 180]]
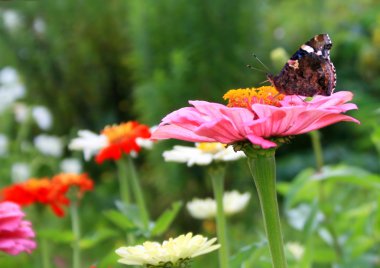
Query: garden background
[[96, 63]]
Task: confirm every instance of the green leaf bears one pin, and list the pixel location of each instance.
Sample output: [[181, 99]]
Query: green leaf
[[99, 236], [131, 211], [166, 218], [56, 235], [119, 219], [108, 260], [349, 174], [244, 254]]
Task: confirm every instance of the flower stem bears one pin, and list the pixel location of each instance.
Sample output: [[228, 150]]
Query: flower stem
[[123, 181], [262, 165], [76, 231], [317, 148], [45, 254], [138, 194], [217, 178]]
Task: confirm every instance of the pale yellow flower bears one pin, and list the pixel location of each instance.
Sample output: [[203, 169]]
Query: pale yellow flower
[[173, 251]]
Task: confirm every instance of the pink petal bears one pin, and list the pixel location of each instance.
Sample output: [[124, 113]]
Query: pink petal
[[265, 144], [179, 133]]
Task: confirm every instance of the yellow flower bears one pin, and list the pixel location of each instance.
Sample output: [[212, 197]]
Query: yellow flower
[[245, 97], [174, 251]]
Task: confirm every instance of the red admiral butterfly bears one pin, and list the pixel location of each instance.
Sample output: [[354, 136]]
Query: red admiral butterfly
[[309, 71]]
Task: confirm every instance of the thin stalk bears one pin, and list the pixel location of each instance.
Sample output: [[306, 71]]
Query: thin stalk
[[45, 254], [317, 148], [40, 224], [217, 178], [75, 225], [122, 173], [138, 194], [262, 165]]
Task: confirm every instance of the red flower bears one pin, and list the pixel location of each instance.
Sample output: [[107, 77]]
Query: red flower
[[47, 192], [34, 191], [62, 183], [122, 139]]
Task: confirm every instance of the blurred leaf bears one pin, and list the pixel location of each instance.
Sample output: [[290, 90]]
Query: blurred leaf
[[253, 253], [119, 219], [244, 254], [166, 218], [108, 260], [98, 237], [131, 211], [56, 235], [349, 174]]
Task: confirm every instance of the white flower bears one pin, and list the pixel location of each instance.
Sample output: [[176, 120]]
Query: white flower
[[174, 251], [20, 172], [42, 116], [11, 88], [296, 249], [203, 154], [202, 208], [3, 144], [71, 165], [8, 76], [49, 145], [233, 202], [12, 19], [88, 142], [39, 25]]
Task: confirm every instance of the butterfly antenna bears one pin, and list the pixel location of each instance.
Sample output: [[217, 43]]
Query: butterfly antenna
[[263, 82], [256, 69], [262, 63]]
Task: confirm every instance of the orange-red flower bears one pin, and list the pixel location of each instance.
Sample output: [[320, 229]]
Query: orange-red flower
[[64, 181], [34, 191], [122, 139], [47, 192]]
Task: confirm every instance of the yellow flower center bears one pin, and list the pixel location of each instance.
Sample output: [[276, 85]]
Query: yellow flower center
[[117, 133], [210, 147], [246, 97]]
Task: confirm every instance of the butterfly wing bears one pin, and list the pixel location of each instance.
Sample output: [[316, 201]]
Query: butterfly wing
[[309, 71]]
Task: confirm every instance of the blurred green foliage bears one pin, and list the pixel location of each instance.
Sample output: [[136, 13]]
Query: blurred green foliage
[[101, 62]]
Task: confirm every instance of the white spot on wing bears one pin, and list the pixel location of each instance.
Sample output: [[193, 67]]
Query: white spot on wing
[[307, 48]]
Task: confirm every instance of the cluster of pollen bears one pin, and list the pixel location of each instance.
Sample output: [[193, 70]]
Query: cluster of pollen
[[246, 97], [117, 133], [210, 147]]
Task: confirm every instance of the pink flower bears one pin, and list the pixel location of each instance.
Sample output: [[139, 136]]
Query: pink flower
[[16, 235], [257, 120]]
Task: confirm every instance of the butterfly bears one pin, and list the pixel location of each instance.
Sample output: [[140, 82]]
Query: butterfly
[[309, 71]]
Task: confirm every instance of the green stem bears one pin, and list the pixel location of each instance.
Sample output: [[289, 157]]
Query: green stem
[[262, 165], [122, 173], [217, 178], [138, 194], [317, 148], [45, 254], [76, 232]]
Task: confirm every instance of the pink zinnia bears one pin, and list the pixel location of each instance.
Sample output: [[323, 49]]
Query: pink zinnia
[[16, 235], [259, 115]]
